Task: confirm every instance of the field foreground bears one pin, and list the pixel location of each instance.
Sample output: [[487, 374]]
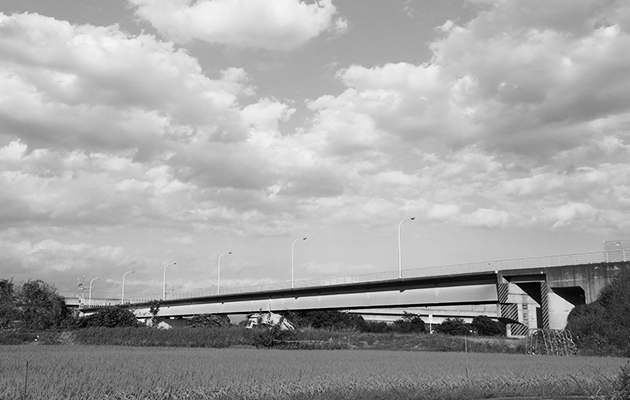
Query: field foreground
[[102, 372]]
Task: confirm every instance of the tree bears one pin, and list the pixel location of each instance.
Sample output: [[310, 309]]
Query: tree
[[325, 319], [410, 323], [34, 305], [9, 311], [485, 326], [40, 306], [154, 309], [454, 326]]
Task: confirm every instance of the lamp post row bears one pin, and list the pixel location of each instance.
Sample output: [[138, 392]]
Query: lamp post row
[[122, 297]]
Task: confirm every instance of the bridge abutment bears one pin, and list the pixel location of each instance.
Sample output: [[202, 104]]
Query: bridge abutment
[[543, 297]]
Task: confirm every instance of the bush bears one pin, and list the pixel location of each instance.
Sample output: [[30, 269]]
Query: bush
[[375, 327], [485, 326], [209, 321], [410, 323], [325, 319], [110, 317], [603, 327], [454, 327], [270, 337]]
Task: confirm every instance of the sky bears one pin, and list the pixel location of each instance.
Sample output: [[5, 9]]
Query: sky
[[136, 133]]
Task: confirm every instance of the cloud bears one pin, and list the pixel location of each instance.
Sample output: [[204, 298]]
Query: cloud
[[522, 109], [273, 24], [569, 213], [522, 79], [69, 86], [486, 218], [116, 144]]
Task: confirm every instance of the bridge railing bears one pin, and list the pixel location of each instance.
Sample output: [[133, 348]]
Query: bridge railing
[[486, 266]]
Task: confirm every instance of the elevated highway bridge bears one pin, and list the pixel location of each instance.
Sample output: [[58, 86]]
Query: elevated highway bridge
[[528, 293]]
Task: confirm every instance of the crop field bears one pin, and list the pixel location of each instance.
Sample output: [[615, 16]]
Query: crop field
[[38, 372]]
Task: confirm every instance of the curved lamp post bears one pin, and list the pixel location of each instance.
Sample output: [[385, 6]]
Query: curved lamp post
[[164, 280], [399, 247], [122, 296], [292, 270], [90, 292], [219, 272]]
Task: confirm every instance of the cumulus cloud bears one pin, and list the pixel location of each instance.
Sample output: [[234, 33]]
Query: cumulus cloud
[[486, 218], [273, 24], [517, 76], [519, 120], [93, 87], [527, 100]]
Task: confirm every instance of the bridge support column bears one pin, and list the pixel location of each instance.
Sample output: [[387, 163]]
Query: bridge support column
[[523, 303]]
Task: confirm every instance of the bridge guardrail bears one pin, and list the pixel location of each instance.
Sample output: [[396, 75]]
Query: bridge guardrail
[[485, 266]]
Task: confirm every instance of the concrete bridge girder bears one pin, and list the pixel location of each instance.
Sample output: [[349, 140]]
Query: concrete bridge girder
[[477, 294]]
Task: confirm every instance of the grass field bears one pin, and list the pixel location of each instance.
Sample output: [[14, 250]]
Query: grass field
[[107, 372], [240, 337]]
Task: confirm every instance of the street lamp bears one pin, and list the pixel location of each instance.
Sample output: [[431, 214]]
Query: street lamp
[[292, 270], [122, 296], [219, 272], [164, 280], [399, 247], [90, 292]]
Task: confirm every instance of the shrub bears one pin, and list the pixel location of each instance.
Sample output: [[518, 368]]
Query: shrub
[[109, 317], [410, 323], [485, 326], [454, 326], [603, 327], [269, 337], [209, 321], [325, 319], [375, 327]]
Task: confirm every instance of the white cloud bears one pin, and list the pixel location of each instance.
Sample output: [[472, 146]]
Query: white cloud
[[266, 113], [520, 120], [271, 24], [486, 218], [520, 78], [569, 213], [93, 87]]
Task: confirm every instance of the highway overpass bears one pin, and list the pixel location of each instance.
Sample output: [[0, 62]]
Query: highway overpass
[[528, 293]]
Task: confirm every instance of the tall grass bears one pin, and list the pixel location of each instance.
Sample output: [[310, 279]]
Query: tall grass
[[119, 372], [186, 337], [237, 336]]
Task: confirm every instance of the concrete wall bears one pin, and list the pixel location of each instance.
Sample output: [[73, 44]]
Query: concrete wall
[[590, 277], [559, 310]]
